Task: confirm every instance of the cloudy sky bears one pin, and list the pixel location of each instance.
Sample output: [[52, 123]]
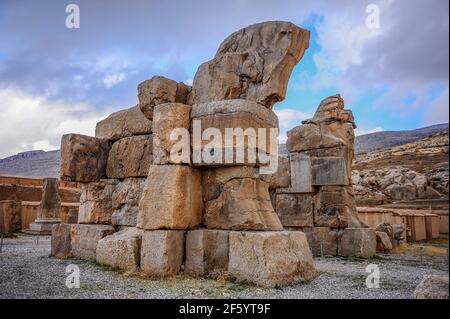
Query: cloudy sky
[[55, 80]]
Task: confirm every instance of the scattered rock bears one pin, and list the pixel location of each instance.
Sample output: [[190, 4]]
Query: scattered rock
[[432, 287]]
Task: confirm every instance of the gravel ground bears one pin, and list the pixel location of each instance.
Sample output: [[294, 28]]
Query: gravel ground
[[26, 271]]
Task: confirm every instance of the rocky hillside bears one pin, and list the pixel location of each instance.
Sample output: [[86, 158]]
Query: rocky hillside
[[417, 170], [31, 164], [381, 140]]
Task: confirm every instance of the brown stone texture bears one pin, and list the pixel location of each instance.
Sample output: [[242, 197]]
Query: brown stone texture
[[206, 251], [72, 216], [160, 90], [61, 241], [125, 201], [358, 242], [238, 116], [83, 158], [254, 63], [383, 241], [301, 174], [244, 204], [96, 202], [323, 240], [172, 198], [121, 250], [162, 252], [10, 217], [50, 204], [270, 259], [432, 287], [311, 136], [124, 123], [84, 239], [295, 210], [329, 171], [282, 177], [130, 157], [213, 179], [166, 118], [335, 207]]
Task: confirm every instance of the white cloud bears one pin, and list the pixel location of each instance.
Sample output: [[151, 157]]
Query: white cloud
[[112, 79], [34, 122], [288, 119], [362, 131]]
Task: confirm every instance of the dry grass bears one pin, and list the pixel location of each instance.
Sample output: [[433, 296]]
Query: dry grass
[[435, 247]]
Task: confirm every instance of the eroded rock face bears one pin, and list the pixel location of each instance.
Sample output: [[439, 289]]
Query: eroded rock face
[[269, 259], [96, 202], [295, 210], [50, 202], [358, 242], [160, 90], [244, 204], [254, 63], [167, 118], [162, 252], [121, 250], [61, 242], [323, 241], [383, 241], [125, 201], [83, 158], [172, 198], [124, 123]]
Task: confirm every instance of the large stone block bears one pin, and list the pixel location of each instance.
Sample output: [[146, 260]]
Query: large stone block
[[162, 252], [124, 123], [10, 217], [301, 175], [167, 118], [61, 241], [130, 157], [206, 251], [172, 198], [295, 210], [239, 130], [323, 241], [270, 258], [125, 201], [96, 202], [334, 206], [311, 136], [329, 171], [85, 238], [160, 90], [383, 241], [358, 242], [121, 250], [244, 204], [213, 179], [83, 158], [254, 63], [282, 177]]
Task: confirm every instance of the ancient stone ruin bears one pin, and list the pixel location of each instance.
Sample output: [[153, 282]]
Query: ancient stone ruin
[[147, 208]]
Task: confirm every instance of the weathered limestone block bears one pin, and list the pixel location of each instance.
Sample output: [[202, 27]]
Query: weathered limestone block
[[49, 208], [162, 252], [387, 228], [206, 251], [301, 176], [228, 119], [10, 217], [61, 241], [124, 123], [125, 201], [72, 216], [311, 136], [85, 238], [432, 287], [166, 119], [160, 90], [272, 258], [329, 171], [332, 109], [244, 204], [254, 63], [213, 179], [172, 198], [121, 250], [295, 210], [358, 242], [282, 178], [130, 157], [83, 158], [334, 206], [96, 202], [323, 241], [383, 241]]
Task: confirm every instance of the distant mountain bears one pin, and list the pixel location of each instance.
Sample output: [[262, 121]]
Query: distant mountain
[[381, 140], [31, 164]]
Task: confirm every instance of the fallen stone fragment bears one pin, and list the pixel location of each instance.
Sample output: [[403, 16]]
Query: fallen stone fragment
[[432, 287], [358, 242]]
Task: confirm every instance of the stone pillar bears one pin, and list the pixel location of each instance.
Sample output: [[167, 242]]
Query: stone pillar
[[48, 214]]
